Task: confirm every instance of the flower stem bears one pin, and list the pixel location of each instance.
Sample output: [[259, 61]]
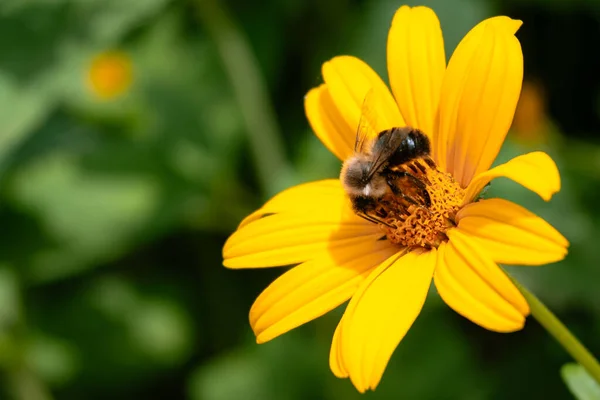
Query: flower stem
[[250, 91], [561, 333]]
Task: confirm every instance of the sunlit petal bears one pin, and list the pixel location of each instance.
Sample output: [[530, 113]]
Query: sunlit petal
[[328, 124], [536, 171], [298, 225], [348, 81], [474, 286], [307, 197], [380, 313], [336, 361], [309, 290], [416, 63], [479, 95], [510, 234]]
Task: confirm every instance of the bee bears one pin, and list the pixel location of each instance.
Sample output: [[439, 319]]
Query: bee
[[381, 176]]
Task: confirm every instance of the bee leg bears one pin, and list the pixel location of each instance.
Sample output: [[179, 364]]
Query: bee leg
[[399, 193], [420, 185], [374, 220]]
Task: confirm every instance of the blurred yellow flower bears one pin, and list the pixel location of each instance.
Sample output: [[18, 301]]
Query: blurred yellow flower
[[531, 121], [110, 74], [466, 109]]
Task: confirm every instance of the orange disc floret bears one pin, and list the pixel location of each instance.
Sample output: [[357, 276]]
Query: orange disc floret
[[420, 226]]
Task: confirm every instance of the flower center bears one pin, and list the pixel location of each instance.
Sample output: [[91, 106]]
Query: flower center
[[425, 208]]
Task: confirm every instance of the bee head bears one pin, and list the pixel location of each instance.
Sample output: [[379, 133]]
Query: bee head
[[356, 172], [359, 180]]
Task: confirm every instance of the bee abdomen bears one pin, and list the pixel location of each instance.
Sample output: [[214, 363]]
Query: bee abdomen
[[413, 144]]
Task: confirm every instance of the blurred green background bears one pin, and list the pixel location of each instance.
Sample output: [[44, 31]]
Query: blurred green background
[[114, 208]]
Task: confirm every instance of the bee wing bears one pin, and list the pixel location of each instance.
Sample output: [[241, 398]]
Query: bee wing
[[384, 153], [367, 125]]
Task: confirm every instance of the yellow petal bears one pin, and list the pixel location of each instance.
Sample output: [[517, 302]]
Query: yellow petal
[[306, 197], [348, 81], [416, 63], [297, 225], [327, 123], [536, 171], [380, 313], [479, 96], [510, 234], [336, 362], [309, 290], [475, 287]]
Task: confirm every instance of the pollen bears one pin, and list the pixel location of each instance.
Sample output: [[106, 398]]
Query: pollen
[[422, 213]]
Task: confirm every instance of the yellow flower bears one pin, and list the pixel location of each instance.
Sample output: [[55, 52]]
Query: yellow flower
[[466, 110], [530, 124], [110, 75]]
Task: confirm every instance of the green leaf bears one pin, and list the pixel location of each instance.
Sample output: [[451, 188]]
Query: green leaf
[[579, 382], [78, 208], [111, 19], [239, 374], [21, 110], [10, 298], [55, 360], [157, 329]]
